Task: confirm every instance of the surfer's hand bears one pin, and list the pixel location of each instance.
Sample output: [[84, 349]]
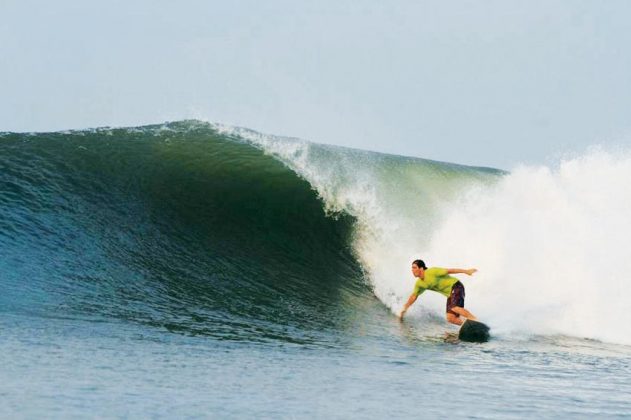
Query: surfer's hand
[[400, 315], [471, 271]]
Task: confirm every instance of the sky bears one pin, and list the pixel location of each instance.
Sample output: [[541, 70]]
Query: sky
[[487, 83]]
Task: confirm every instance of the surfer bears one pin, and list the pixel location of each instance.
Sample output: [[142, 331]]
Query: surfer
[[439, 280]]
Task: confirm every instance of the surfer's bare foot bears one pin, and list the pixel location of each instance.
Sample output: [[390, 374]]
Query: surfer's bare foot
[[454, 319]]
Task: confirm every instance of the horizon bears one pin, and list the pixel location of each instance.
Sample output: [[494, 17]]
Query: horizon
[[496, 84]]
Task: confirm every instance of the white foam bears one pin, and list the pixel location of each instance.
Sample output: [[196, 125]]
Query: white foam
[[552, 246]]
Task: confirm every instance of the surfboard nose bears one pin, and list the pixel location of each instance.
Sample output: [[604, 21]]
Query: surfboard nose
[[474, 331]]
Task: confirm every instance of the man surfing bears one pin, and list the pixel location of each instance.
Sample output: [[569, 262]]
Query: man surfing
[[439, 280]]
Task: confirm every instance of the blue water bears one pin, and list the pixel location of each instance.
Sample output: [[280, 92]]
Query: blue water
[[64, 368], [177, 271]]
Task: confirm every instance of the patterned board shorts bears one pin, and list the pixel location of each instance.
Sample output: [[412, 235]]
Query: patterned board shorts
[[456, 298]]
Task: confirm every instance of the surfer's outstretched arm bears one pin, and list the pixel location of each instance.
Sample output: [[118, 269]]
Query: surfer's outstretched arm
[[468, 271], [409, 303]]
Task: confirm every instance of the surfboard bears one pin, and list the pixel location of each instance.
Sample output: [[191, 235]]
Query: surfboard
[[474, 331]]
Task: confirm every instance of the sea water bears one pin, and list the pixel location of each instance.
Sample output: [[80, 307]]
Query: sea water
[[197, 270]]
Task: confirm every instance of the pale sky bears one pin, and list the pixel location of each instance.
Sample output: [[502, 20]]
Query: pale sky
[[491, 83]]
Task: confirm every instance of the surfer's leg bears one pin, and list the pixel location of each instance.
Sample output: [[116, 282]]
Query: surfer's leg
[[463, 312], [455, 305], [454, 319]]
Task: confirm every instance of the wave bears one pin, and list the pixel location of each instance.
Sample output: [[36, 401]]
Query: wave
[[174, 226], [550, 242], [207, 229]]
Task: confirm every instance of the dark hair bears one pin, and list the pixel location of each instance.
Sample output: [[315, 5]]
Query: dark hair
[[420, 264]]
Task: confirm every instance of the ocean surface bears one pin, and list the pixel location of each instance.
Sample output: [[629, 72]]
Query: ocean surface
[[195, 270]]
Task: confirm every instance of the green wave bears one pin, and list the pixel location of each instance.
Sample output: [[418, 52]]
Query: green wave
[[175, 226]]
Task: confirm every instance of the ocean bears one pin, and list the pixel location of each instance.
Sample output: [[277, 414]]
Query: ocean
[[196, 270]]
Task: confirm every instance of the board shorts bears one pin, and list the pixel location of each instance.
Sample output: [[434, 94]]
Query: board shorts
[[456, 298]]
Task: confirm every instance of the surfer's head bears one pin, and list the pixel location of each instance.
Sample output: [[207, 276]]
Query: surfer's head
[[418, 268]]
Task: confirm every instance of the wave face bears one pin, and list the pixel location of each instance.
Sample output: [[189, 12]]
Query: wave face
[[173, 226], [205, 229]]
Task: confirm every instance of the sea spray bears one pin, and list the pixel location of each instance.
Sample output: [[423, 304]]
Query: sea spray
[[550, 243]]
